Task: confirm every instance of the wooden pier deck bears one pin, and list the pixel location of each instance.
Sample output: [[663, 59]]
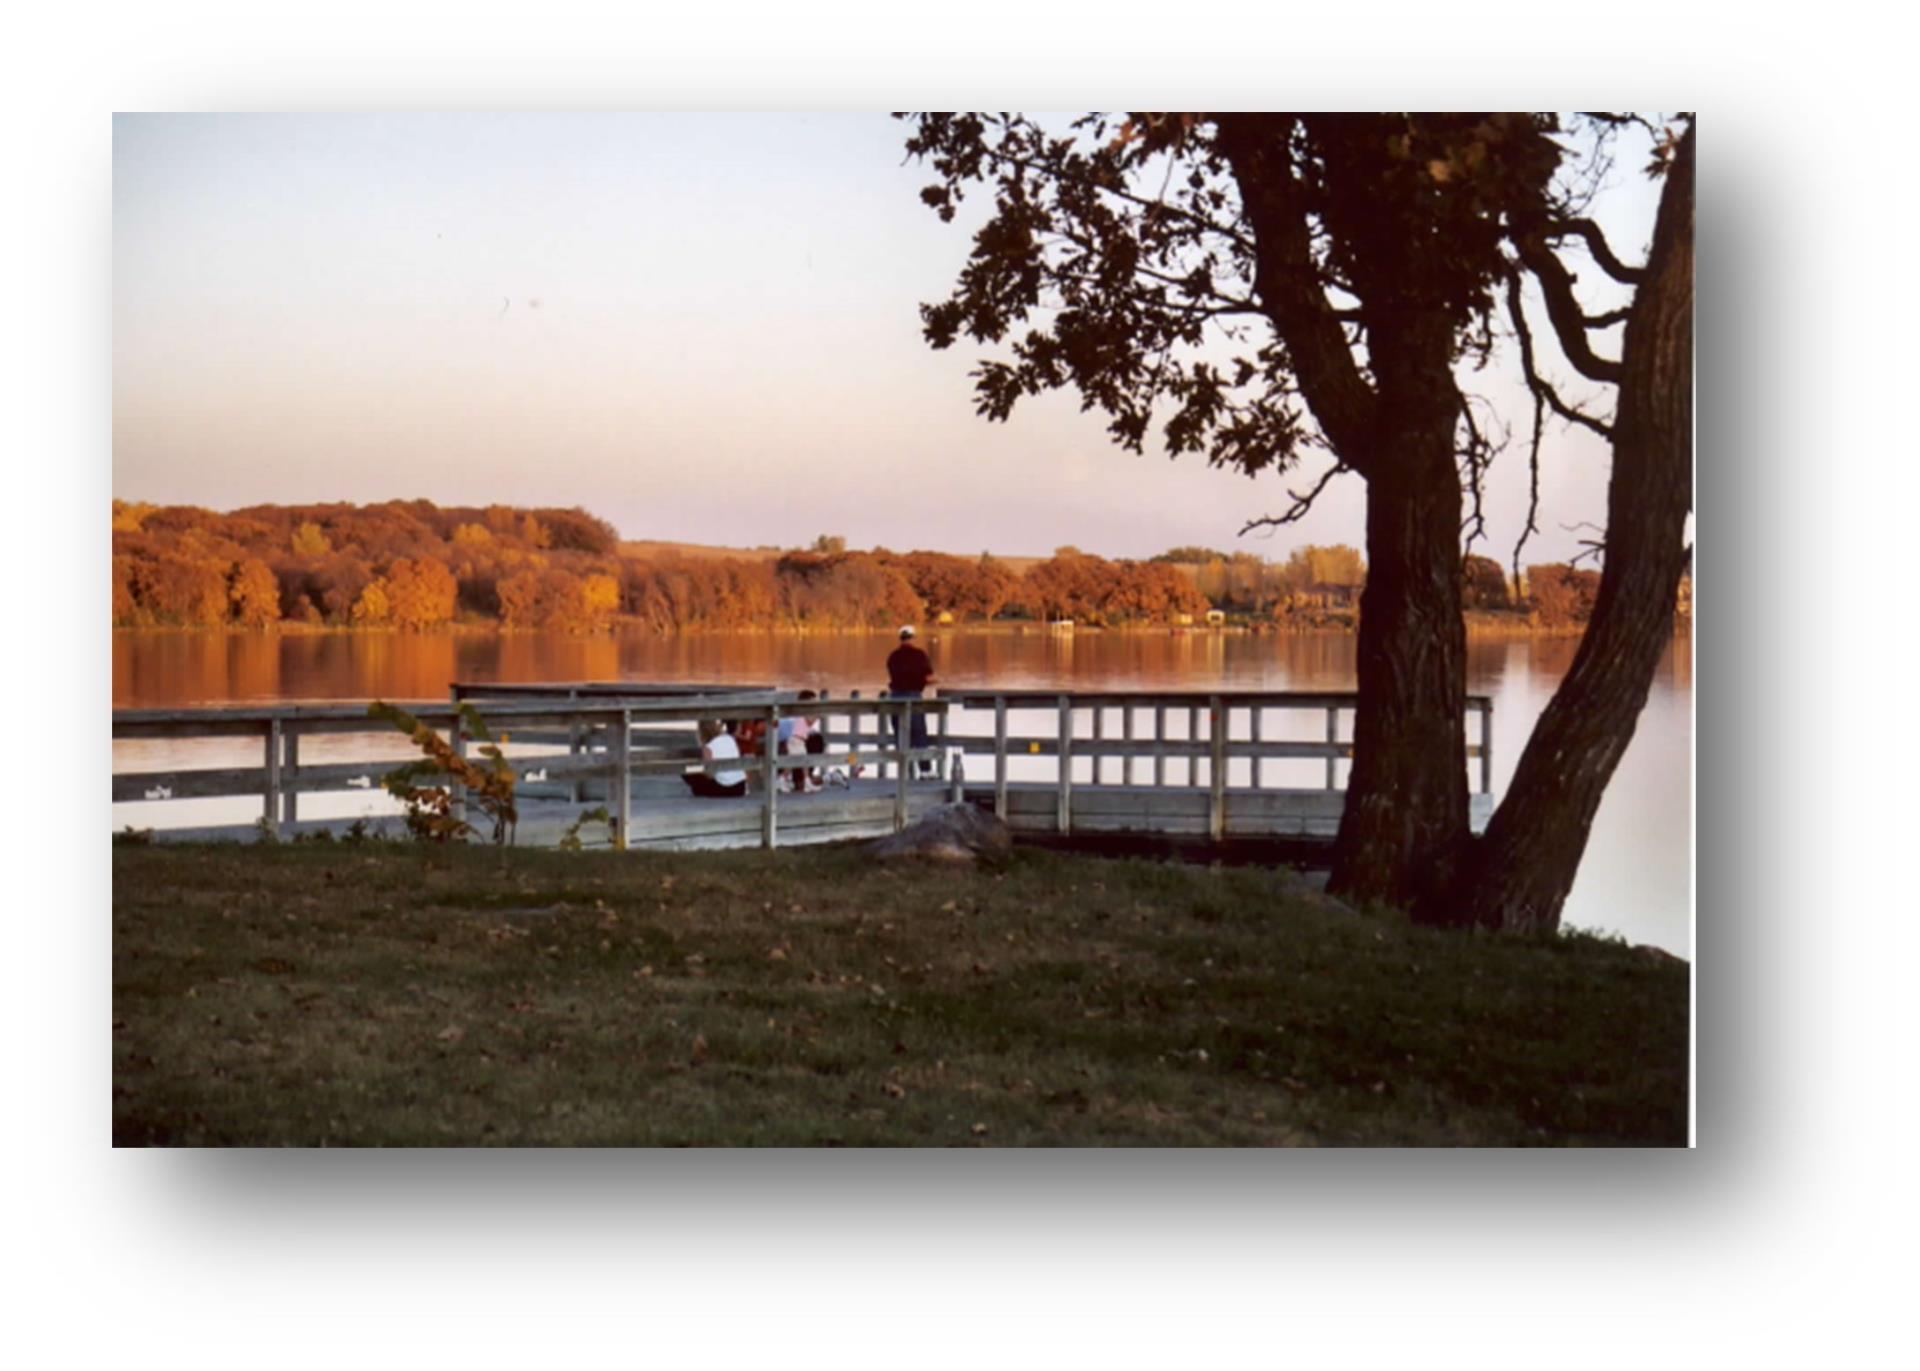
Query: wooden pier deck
[[1210, 766]]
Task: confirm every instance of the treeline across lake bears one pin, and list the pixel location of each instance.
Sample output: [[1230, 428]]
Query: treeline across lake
[[415, 565]]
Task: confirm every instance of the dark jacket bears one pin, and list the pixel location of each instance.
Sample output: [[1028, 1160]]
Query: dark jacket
[[908, 668]]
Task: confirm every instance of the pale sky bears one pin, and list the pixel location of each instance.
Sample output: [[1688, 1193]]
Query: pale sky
[[699, 327]]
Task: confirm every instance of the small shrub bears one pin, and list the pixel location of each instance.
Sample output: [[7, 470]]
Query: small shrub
[[430, 816], [570, 840]]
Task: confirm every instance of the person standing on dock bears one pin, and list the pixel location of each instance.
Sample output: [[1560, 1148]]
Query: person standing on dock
[[909, 673]]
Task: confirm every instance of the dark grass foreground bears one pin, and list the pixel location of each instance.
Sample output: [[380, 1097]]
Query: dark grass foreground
[[360, 994]]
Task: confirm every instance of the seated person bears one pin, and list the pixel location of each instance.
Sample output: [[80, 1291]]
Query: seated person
[[799, 736], [717, 745], [782, 747]]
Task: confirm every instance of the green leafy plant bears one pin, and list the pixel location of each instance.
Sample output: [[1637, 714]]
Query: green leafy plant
[[570, 840], [426, 787]]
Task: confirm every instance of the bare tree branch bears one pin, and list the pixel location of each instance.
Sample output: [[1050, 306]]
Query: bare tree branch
[[1301, 503], [1617, 120], [1597, 245], [1563, 308], [1589, 547], [1543, 392], [1478, 452]]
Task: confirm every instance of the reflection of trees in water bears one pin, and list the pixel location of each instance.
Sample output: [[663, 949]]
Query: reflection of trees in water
[[175, 668]]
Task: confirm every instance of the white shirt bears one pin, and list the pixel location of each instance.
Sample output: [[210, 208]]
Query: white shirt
[[724, 748]]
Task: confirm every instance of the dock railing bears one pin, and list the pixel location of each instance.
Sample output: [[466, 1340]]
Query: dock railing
[[613, 737], [1196, 762], [1127, 733]]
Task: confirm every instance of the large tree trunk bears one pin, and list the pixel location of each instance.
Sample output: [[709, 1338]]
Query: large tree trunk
[[1517, 876], [1406, 810]]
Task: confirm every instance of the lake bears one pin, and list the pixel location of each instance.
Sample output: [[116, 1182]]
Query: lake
[[1635, 881]]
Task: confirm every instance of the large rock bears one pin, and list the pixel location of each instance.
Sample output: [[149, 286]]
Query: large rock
[[951, 833]]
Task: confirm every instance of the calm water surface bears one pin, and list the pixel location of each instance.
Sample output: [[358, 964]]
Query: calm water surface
[[1635, 880]]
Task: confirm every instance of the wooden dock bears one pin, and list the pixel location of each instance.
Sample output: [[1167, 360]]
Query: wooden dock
[[1211, 766], [1193, 764]]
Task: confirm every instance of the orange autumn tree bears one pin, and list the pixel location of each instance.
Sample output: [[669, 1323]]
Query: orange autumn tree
[[420, 593], [255, 594]]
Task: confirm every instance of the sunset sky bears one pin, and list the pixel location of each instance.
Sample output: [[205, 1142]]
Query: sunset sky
[[700, 327]]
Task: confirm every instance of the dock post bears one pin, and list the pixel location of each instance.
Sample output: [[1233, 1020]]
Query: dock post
[[1486, 747], [1000, 757], [1333, 744], [1159, 744], [623, 779], [902, 739], [271, 816], [769, 776], [1063, 804], [853, 735], [1217, 780], [575, 739], [290, 778], [1126, 734], [1253, 733], [1099, 735], [1193, 737], [957, 780]]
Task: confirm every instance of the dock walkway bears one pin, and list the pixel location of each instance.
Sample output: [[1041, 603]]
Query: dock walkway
[[1219, 765]]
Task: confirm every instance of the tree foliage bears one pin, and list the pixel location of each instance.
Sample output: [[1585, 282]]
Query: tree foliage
[[1561, 596], [1485, 584], [1255, 286], [1125, 259]]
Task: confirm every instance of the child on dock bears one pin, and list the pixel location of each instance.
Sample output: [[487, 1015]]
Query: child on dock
[[716, 745], [802, 737]]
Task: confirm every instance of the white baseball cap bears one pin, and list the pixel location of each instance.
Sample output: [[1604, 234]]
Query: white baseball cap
[[906, 631]]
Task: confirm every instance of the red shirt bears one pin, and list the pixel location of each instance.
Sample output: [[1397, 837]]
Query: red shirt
[[908, 668]]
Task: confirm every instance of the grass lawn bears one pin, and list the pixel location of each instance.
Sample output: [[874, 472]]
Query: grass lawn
[[386, 993]]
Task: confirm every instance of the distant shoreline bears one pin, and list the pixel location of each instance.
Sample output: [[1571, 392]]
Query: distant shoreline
[[1479, 624]]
